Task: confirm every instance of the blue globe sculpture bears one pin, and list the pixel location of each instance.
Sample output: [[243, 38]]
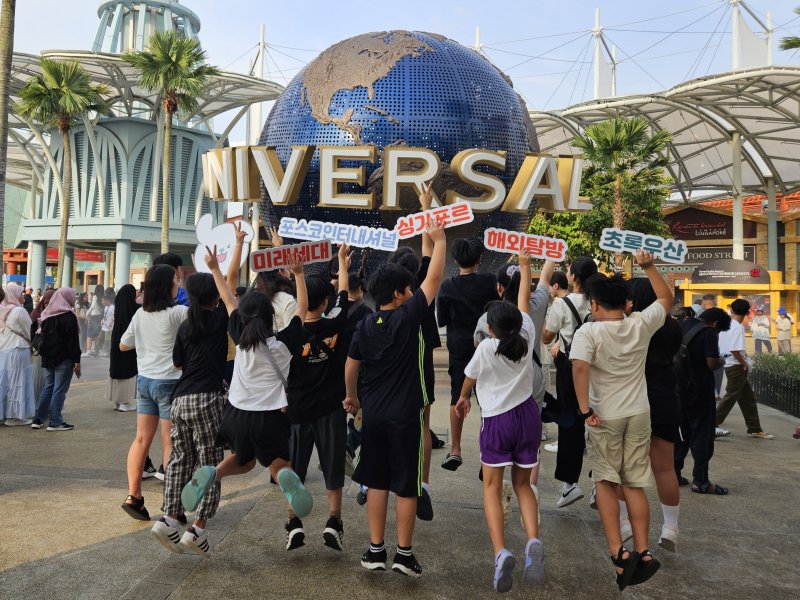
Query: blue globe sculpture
[[399, 88]]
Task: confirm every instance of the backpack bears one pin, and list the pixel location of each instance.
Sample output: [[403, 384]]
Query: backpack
[[686, 383], [46, 340], [567, 347]]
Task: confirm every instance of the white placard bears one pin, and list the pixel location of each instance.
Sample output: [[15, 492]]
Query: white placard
[[222, 236], [619, 240], [359, 236]]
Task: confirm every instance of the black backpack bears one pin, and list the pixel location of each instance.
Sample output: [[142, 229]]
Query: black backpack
[[46, 340], [565, 348], [686, 383]]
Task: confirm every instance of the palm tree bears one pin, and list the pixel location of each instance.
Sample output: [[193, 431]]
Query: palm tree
[[791, 42], [173, 65], [618, 151], [58, 98], [6, 53]]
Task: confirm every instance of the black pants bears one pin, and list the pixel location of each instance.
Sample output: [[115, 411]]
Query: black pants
[[571, 440], [698, 424]]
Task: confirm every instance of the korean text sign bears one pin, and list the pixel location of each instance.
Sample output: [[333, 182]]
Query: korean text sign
[[359, 236], [513, 242], [618, 240], [450, 215], [279, 257]]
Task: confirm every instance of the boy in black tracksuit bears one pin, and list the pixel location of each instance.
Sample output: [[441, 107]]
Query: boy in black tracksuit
[[460, 303]]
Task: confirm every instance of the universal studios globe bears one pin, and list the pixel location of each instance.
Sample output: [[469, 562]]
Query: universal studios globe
[[400, 88]]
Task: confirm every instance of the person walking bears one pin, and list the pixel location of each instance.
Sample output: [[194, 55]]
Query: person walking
[[16, 379], [760, 328], [95, 316], [737, 366], [152, 332], [61, 357], [81, 311], [36, 364], [122, 369], [784, 324]]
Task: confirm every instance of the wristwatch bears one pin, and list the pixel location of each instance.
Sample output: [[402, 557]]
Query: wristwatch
[[586, 415]]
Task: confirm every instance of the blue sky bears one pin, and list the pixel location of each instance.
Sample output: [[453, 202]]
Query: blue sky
[[543, 46]]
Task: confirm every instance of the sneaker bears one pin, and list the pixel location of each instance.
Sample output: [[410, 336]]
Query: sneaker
[[295, 534], [572, 495], [424, 506], [374, 561], [160, 474], [406, 565], [761, 435], [169, 537], [552, 447], [191, 542], [298, 496], [36, 424], [625, 530], [503, 571], [85, 354], [125, 407], [193, 492], [361, 496], [593, 497], [149, 470], [62, 427], [720, 432], [534, 562], [669, 538], [333, 533]]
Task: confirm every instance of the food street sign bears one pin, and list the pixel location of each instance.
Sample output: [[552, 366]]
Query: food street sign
[[281, 256], [234, 173]]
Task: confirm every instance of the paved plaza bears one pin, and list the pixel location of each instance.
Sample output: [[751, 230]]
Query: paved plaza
[[65, 537]]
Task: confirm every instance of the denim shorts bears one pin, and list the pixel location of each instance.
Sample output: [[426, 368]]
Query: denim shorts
[[153, 396]]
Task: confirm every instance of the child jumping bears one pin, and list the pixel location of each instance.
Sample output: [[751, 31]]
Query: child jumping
[[388, 347], [255, 423], [511, 427]]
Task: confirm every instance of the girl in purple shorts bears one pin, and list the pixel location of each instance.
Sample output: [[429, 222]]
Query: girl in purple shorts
[[511, 427]]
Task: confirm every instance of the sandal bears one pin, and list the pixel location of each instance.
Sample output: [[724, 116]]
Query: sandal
[[628, 566], [709, 488], [136, 508], [452, 462], [645, 569]]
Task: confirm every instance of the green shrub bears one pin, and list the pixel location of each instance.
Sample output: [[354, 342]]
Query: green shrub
[[787, 365]]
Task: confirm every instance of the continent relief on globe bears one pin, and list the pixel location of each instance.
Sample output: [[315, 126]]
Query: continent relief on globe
[[359, 61]]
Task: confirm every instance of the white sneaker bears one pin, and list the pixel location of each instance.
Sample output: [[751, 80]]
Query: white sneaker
[[552, 447], [669, 539], [720, 432], [191, 542], [169, 537], [572, 495], [125, 407], [625, 530]]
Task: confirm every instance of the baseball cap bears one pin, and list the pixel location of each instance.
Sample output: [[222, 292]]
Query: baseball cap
[[781, 311]]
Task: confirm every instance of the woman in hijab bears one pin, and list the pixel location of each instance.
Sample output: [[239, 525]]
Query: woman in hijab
[[36, 365], [61, 357], [16, 380], [122, 371]]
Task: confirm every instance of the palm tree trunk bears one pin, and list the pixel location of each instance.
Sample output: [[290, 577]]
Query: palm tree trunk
[[618, 219], [6, 53], [165, 171], [65, 201]]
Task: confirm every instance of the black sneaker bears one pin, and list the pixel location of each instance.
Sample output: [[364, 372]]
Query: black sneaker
[[62, 427], [160, 475], [149, 470], [374, 561], [424, 506], [37, 424], [333, 533], [295, 535], [361, 496], [406, 565]]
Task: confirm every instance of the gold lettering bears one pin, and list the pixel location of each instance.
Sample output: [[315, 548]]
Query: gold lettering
[[219, 177], [463, 165], [283, 188], [394, 177], [331, 175]]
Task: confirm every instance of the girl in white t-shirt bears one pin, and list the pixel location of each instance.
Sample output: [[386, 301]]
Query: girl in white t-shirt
[[511, 427], [255, 423]]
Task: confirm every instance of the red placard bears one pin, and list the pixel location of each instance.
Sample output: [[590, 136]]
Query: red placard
[[80, 255], [278, 258]]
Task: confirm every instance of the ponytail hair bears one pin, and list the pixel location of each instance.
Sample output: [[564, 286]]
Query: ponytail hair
[[505, 321], [256, 313], [203, 294]]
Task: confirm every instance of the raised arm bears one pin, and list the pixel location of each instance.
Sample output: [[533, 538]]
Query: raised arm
[[344, 267], [663, 293], [296, 266], [432, 282], [224, 291], [425, 201], [236, 258], [524, 294], [547, 273]]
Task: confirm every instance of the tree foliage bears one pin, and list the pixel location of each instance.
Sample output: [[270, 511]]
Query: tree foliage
[[791, 42]]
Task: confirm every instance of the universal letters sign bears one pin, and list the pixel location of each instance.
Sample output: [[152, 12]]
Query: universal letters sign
[[234, 174]]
